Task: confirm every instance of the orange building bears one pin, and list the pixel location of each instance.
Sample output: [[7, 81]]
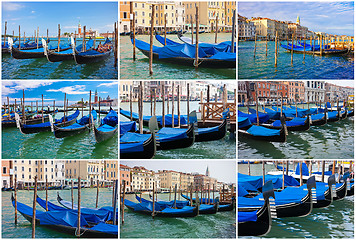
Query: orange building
[[124, 16], [295, 91], [269, 90], [125, 176], [5, 174]]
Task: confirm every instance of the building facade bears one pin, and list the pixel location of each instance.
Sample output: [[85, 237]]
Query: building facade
[[125, 176], [246, 29], [314, 91], [5, 174], [295, 91]]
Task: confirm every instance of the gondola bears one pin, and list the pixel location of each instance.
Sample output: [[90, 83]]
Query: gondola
[[12, 122], [333, 116], [309, 50], [351, 190], [258, 222], [55, 56], [137, 146], [350, 113], [212, 133], [33, 53], [24, 46], [174, 138], [107, 128], [184, 54], [261, 133], [46, 126], [296, 124], [203, 208], [225, 207], [91, 56], [290, 202], [146, 208], [209, 48], [80, 126], [319, 119], [66, 222]]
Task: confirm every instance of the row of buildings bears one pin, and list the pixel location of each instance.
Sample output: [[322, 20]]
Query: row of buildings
[[266, 28], [195, 89], [179, 15], [58, 172], [139, 178], [300, 91]]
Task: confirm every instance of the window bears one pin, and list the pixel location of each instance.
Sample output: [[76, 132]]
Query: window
[[29, 169], [4, 170], [23, 168], [143, 5], [143, 14], [125, 15]]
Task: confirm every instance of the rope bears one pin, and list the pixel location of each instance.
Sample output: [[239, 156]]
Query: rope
[[76, 232], [194, 63]]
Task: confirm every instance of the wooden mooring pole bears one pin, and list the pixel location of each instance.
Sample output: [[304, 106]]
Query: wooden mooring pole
[[34, 210], [172, 104], [151, 39], [59, 36], [72, 196], [123, 201], [188, 98], [254, 51], [79, 199], [197, 37], [216, 29], [163, 110], [5, 34], [46, 194], [97, 194], [165, 29], [275, 49], [15, 190]]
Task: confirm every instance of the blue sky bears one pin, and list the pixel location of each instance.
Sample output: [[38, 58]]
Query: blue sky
[[54, 90], [99, 16], [331, 17]]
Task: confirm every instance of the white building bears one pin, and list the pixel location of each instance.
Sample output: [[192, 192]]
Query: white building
[[180, 15], [314, 91], [247, 29]]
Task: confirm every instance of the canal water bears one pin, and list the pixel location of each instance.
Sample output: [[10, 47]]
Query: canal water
[[24, 228], [139, 69], [41, 68], [221, 149], [16, 145], [335, 221], [314, 67], [219, 225], [332, 141]]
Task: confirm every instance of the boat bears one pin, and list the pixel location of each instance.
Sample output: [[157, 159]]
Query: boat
[[107, 128], [46, 126], [55, 56], [35, 52], [66, 222], [160, 205], [247, 130], [80, 126], [174, 138], [309, 50], [147, 208], [211, 133], [27, 45], [208, 48], [137, 146], [296, 124], [6, 123], [257, 222], [101, 53], [221, 207], [290, 202], [262, 117], [350, 113], [184, 54], [333, 116]]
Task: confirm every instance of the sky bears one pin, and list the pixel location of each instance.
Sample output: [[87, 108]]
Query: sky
[[344, 83], [99, 16], [223, 171], [54, 90], [330, 17]]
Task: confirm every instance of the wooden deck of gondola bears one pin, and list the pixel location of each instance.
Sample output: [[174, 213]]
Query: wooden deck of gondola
[[149, 151]]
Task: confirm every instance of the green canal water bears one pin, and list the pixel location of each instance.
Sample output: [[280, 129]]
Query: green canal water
[[335, 221], [138, 69], [221, 149], [219, 225], [332, 141], [314, 67], [16, 145], [24, 228], [41, 68]]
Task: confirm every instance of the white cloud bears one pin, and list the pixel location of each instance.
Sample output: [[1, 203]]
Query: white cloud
[[33, 12], [107, 84], [9, 87], [104, 92], [10, 6], [71, 90], [69, 27]]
